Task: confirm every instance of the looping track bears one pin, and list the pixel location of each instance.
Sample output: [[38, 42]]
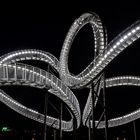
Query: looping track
[[13, 73]]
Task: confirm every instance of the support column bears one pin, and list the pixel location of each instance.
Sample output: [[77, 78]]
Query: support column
[[105, 109], [93, 113], [74, 128], [89, 130], [135, 132], [54, 134], [45, 114], [60, 124], [46, 110]]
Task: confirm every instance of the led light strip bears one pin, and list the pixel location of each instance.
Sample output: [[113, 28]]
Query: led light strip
[[112, 82], [30, 54], [104, 55], [122, 41], [96, 24], [33, 54], [32, 76], [114, 48]]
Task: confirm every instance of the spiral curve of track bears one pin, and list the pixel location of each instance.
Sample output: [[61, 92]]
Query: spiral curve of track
[[14, 73]]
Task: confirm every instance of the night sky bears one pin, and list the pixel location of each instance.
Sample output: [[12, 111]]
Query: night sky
[[46, 30]]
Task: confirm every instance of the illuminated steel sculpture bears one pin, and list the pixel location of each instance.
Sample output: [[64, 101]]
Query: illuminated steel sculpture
[[14, 73]]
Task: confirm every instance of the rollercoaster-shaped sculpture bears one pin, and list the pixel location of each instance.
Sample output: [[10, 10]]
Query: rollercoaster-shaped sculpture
[[14, 73]]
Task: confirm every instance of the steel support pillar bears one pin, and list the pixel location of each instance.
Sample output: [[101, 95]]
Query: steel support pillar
[[93, 136], [89, 130], [54, 134], [45, 114], [45, 111], [105, 108], [135, 132], [60, 124], [74, 128]]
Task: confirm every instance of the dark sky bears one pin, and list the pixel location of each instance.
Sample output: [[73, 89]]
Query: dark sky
[[46, 29]]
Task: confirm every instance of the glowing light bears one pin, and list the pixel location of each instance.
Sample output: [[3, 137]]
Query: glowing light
[[4, 129], [61, 88]]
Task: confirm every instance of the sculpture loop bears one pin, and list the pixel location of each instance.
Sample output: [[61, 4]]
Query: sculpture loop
[[14, 73]]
